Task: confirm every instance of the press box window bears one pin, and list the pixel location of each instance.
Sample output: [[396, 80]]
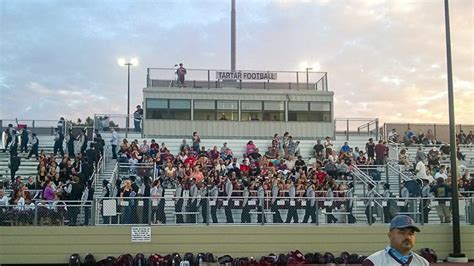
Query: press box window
[[168, 109], [273, 111], [309, 111], [251, 110], [320, 111], [204, 110], [227, 110]]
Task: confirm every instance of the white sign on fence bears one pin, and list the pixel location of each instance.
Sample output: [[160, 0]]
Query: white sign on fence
[[109, 207], [141, 234], [246, 75]]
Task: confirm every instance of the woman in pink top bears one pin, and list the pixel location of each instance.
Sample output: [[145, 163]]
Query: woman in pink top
[[250, 147], [197, 174]]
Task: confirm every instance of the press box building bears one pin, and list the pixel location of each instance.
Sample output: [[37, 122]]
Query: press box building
[[240, 104]]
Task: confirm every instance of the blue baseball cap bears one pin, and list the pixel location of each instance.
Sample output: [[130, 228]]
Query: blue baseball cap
[[402, 222]]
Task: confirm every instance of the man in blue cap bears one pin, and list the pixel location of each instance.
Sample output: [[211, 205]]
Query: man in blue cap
[[399, 252]]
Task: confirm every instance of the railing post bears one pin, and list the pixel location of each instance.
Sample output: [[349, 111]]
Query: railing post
[[377, 129], [297, 80], [422, 211], [386, 173], [347, 129], [33, 124], [326, 81], [262, 209], [154, 170], [399, 177], [208, 79], [148, 77]]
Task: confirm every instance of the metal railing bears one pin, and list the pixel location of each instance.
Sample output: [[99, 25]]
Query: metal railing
[[208, 78], [352, 127], [440, 131], [38, 126], [99, 169], [119, 122]]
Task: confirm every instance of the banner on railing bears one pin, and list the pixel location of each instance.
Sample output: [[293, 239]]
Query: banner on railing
[[229, 75]]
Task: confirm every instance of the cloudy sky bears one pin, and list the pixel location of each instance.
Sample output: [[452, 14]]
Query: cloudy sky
[[384, 59]]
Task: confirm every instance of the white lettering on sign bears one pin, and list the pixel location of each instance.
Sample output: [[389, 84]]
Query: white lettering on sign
[[141, 234], [246, 75]]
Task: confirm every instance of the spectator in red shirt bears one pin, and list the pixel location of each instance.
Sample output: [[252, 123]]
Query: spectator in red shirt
[[191, 160], [380, 150]]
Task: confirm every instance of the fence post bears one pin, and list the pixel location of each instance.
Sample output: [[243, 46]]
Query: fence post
[[386, 173], [262, 209], [208, 212], [92, 210], [370, 210], [422, 211], [316, 211], [33, 124], [471, 211], [149, 203], [35, 219]]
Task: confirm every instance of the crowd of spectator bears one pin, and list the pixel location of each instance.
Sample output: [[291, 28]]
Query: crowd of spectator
[[60, 177], [279, 172], [199, 172], [427, 139]]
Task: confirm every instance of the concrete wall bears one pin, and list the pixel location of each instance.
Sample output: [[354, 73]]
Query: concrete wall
[[55, 244], [243, 129]]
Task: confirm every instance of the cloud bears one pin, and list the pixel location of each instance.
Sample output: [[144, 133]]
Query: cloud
[[384, 59]]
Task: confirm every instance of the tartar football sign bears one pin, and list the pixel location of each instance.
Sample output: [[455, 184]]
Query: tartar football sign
[[244, 75]]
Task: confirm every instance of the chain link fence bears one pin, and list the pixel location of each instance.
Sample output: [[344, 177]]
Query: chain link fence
[[47, 213], [197, 209]]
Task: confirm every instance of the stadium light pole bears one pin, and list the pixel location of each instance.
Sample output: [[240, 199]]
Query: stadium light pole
[[307, 77], [456, 256], [131, 62]]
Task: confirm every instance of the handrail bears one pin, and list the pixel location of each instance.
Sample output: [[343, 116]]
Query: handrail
[[402, 175], [217, 69], [367, 124], [95, 174], [367, 180]]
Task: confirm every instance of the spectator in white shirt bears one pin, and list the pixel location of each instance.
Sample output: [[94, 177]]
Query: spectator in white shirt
[[114, 143], [441, 173], [421, 171]]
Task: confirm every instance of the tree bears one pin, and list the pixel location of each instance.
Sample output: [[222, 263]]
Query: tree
[[89, 121]]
